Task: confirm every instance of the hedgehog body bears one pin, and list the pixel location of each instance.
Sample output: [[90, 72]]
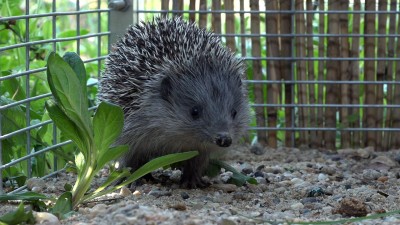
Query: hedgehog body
[[180, 90]]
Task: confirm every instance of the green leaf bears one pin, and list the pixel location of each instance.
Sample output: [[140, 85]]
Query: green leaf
[[18, 217], [69, 129], [76, 63], [26, 196], [66, 88], [111, 154], [107, 124], [158, 163], [63, 205], [238, 179]]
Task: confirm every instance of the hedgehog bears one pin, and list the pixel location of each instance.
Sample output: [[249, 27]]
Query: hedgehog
[[180, 90]]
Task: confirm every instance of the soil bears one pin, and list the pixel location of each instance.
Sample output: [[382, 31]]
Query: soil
[[294, 186]]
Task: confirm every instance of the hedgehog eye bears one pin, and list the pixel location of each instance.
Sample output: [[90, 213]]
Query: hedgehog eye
[[233, 113], [195, 112]]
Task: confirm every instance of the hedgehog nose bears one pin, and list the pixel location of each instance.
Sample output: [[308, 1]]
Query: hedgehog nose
[[223, 140]]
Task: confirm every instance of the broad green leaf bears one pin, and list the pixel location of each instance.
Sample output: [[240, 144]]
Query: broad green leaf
[[76, 63], [63, 205], [111, 154], [66, 126], [107, 124], [18, 217], [26, 196], [65, 86], [158, 163]]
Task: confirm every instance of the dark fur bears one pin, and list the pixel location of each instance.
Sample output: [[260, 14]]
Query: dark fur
[[180, 89]]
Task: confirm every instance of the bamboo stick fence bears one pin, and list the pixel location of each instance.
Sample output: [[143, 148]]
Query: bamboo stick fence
[[321, 74]]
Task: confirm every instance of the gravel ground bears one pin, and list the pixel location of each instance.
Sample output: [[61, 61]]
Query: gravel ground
[[294, 186]]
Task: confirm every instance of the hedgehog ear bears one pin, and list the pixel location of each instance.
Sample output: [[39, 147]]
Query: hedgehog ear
[[166, 88]]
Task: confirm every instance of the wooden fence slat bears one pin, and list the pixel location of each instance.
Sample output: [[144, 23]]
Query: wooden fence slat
[[301, 74], [286, 68], [311, 75], [388, 137], [203, 16], [216, 17], [321, 70], [345, 76], [164, 6], [396, 98], [230, 25], [381, 71], [369, 118], [273, 70], [192, 6], [332, 74], [355, 76], [257, 73]]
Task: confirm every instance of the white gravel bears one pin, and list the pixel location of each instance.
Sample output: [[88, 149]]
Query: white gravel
[[294, 186]]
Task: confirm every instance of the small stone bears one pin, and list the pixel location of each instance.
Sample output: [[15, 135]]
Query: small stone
[[224, 177], [257, 149], [184, 195], [35, 182], [240, 196], [228, 188], [158, 193], [178, 206], [261, 167], [370, 174], [246, 168], [382, 163], [351, 207], [125, 192], [329, 170], [383, 179], [259, 174], [137, 193], [297, 206], [225, 221], [322, 177], [37, 189], [176, 175], [261, 180], [46, 218]]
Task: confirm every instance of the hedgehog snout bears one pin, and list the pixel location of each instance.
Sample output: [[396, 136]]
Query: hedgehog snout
[[223, 139]]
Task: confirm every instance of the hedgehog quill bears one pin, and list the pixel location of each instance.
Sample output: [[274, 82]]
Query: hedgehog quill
[[180, 90]]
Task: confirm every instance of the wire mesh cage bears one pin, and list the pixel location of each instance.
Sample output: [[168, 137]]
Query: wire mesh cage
[[321, 74]]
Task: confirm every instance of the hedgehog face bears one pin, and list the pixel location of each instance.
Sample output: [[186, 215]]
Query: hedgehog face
[[208, 106]]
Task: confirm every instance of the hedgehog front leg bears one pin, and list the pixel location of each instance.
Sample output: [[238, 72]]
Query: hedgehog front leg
[[193, 170]]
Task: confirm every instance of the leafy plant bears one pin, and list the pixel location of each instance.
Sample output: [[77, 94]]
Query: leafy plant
[[94, 138]]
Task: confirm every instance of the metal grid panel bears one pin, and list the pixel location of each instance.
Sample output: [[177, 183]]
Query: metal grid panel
[[97, 37], [40, 27], [193, 10]]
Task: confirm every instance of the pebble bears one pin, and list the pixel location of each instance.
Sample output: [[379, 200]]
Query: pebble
[[158, 193], [224, 177], [175, 175], [322, 177], [125, 192], [228, 188], [225, 221], [46, 218], [35, 183], [185, 195], [257, 149], [297, 206], [370, 174]]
